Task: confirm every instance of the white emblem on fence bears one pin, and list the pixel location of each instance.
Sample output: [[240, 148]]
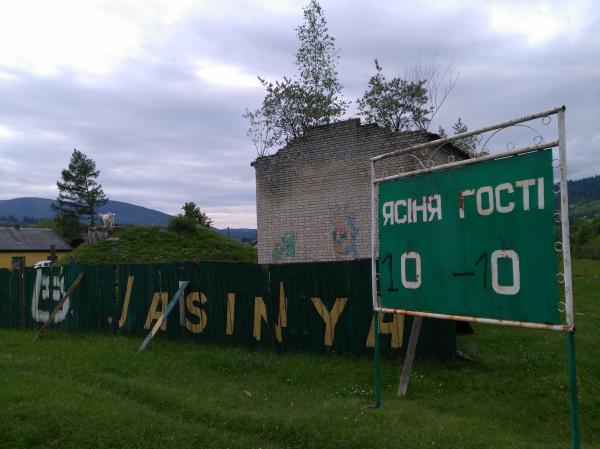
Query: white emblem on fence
[[41, 290]]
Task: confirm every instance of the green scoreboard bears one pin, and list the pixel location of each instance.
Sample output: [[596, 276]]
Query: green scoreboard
[[476, 240]]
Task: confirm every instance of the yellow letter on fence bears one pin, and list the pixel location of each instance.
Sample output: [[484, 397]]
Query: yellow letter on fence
[[126, 301], [330, 318], [282, 319], [154, 313], [191, 300], [394, 327], [230, 313], [260, 313]]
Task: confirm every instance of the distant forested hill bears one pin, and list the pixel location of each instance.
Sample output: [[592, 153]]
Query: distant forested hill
[[40, 208], [28, 211], [586, 189], [584, 198]]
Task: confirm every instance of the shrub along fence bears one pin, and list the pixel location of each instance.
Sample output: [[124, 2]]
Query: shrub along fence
[[308, 306]]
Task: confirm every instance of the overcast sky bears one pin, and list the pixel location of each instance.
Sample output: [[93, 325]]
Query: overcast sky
[[154, 90]]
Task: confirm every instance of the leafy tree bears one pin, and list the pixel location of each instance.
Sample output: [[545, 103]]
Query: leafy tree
[[78, 192], [261, 132], [311, 98], [406, 103], [193, 212], [316, 60], [396, 104]]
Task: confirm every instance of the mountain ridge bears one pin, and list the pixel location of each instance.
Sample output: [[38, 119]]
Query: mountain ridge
[[126, 213], [30, 208]]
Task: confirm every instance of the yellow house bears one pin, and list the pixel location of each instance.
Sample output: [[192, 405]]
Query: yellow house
[[31, 243]]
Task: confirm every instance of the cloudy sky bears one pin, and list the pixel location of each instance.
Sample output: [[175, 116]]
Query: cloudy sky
[[154, 90]]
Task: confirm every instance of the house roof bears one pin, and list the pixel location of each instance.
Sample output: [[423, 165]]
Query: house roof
[[30, 239]]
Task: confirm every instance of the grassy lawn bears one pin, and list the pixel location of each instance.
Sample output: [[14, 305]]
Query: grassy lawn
[[92, 391]]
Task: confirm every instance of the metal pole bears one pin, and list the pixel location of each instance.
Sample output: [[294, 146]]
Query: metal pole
[[566, 249], [506, 124], [373, 239], [377, 360], [573, 390], [176, 298], [477, 160], [376, 352], [475, 319], [564, 217]]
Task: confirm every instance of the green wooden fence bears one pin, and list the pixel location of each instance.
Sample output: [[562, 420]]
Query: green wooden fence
[[312, 306]]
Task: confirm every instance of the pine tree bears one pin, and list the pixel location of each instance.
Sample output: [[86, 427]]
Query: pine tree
[[78, 193], [468, 144]]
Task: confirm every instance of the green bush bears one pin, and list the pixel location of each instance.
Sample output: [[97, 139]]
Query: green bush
[[182, 225]]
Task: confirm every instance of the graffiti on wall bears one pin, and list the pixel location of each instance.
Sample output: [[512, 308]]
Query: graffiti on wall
[[345, 235], [286, 246]]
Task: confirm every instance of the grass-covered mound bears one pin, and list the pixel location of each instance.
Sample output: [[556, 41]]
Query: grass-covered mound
[[142, 244]]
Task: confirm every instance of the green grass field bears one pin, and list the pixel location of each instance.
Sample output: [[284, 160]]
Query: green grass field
[[92, 391]]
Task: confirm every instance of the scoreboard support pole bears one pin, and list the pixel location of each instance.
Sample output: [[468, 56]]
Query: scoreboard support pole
[[566, 250], [377, 354], [374, 298], [573, 390]]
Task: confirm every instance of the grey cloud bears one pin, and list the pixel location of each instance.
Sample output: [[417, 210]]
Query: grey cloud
[[161, 136]]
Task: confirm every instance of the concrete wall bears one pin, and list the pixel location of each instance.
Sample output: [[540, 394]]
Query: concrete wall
[[313, 196]]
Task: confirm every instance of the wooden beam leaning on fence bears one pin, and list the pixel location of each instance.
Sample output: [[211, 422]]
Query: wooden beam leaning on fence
[[176, 298], [59, 306]]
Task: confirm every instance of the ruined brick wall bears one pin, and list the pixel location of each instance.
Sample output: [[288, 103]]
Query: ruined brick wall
[[313, 197]]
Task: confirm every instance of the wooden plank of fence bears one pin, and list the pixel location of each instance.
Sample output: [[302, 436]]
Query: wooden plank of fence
[[410, 355], [177, 297], [59, 306], [125, 307]]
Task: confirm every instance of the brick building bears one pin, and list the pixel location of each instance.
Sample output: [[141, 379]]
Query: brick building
[[313, 197]]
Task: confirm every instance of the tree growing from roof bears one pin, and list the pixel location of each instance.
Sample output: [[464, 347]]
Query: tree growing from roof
[[78, 192], [310, 98], [261, 132], [468, 144], [396, 104], [193, 212], [408, 103]]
